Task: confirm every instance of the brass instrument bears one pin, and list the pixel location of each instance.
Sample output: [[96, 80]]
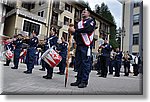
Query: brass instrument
[[113, 55], [100, 51], [126, 56]]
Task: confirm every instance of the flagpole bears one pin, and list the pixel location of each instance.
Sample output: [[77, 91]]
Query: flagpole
[[68, 55]]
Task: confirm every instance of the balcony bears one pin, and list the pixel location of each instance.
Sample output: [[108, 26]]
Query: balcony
[[57, 24], [26, 14], [58, 7], [9, 3], [77, 18]]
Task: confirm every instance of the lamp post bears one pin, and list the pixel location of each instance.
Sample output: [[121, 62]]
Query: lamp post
[[121, 33]]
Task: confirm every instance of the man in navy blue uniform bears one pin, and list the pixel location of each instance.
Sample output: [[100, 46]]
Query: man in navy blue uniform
[[18, 47], [63, 53], [104, 58], [10, 47], [51, 41], [83, 36], [118, 61], [30, 57]]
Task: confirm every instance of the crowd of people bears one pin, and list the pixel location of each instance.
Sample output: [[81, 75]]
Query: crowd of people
[[114, 60], [82, 60]]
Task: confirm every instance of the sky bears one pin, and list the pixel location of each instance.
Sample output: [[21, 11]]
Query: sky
[[114, 6]]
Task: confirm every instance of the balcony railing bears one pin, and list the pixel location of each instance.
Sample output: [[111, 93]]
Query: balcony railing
[[26, 14], [57, 24], [58, 7], [8, 3]]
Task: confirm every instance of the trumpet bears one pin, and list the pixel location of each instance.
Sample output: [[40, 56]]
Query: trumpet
[[126, 57]]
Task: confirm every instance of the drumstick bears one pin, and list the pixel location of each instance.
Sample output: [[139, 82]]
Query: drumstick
[[68, 57]]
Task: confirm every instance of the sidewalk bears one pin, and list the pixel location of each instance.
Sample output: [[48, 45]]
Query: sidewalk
[[16, 82]]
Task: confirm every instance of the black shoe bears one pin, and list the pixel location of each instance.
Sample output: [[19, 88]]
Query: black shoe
[[14, 68], [5, 64], [101, 76], [47, 77], [98, 73], [82, 85], [75, 83], [116, 75], [62, 73], [58, 72], [104, 76], [27, 72], [135, 75], [42, 69], [110, 73], [24, 71]]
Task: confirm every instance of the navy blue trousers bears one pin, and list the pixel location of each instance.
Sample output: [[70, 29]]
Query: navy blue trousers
[[117, 68], [30, 57], [104, 65], [49, 70], [16, 57], [62, 65], [83, 64]]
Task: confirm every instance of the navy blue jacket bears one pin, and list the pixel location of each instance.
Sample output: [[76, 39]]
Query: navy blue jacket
[[33, 42], [106, 51], [118, 56], [89, 27], [52, 40], [63, 49], [18, 43], [9, 46]]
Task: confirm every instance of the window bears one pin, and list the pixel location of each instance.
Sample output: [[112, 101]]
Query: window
[[54, 18], [77, 13], [41, 3], [136, 4], [94, 44], [70, 20], [66, 21], [136, 19], [41, 13], [30, 27], [65, 35], [135, 39], [68, 7], [56, 4], [28, 5]]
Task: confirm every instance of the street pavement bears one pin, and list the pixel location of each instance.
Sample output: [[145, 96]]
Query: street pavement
[[15, 82]]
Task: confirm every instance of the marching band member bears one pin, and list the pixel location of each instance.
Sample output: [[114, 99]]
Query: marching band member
[[8, 46], [30, 57], [118, 60], [104, 58], [83, 36], [41, 45], [63, 53], [136, 65], [18, 48], [126, 60], [51, 41], [112, 62]]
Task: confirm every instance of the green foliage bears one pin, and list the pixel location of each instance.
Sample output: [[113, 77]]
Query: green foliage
[[85, 4], [104, 12]]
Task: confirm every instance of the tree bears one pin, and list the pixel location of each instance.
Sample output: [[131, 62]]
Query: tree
[[85, 4], [104, 12]]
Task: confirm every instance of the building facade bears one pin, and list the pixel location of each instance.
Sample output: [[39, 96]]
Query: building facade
[[132, 26], [39, 15]]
